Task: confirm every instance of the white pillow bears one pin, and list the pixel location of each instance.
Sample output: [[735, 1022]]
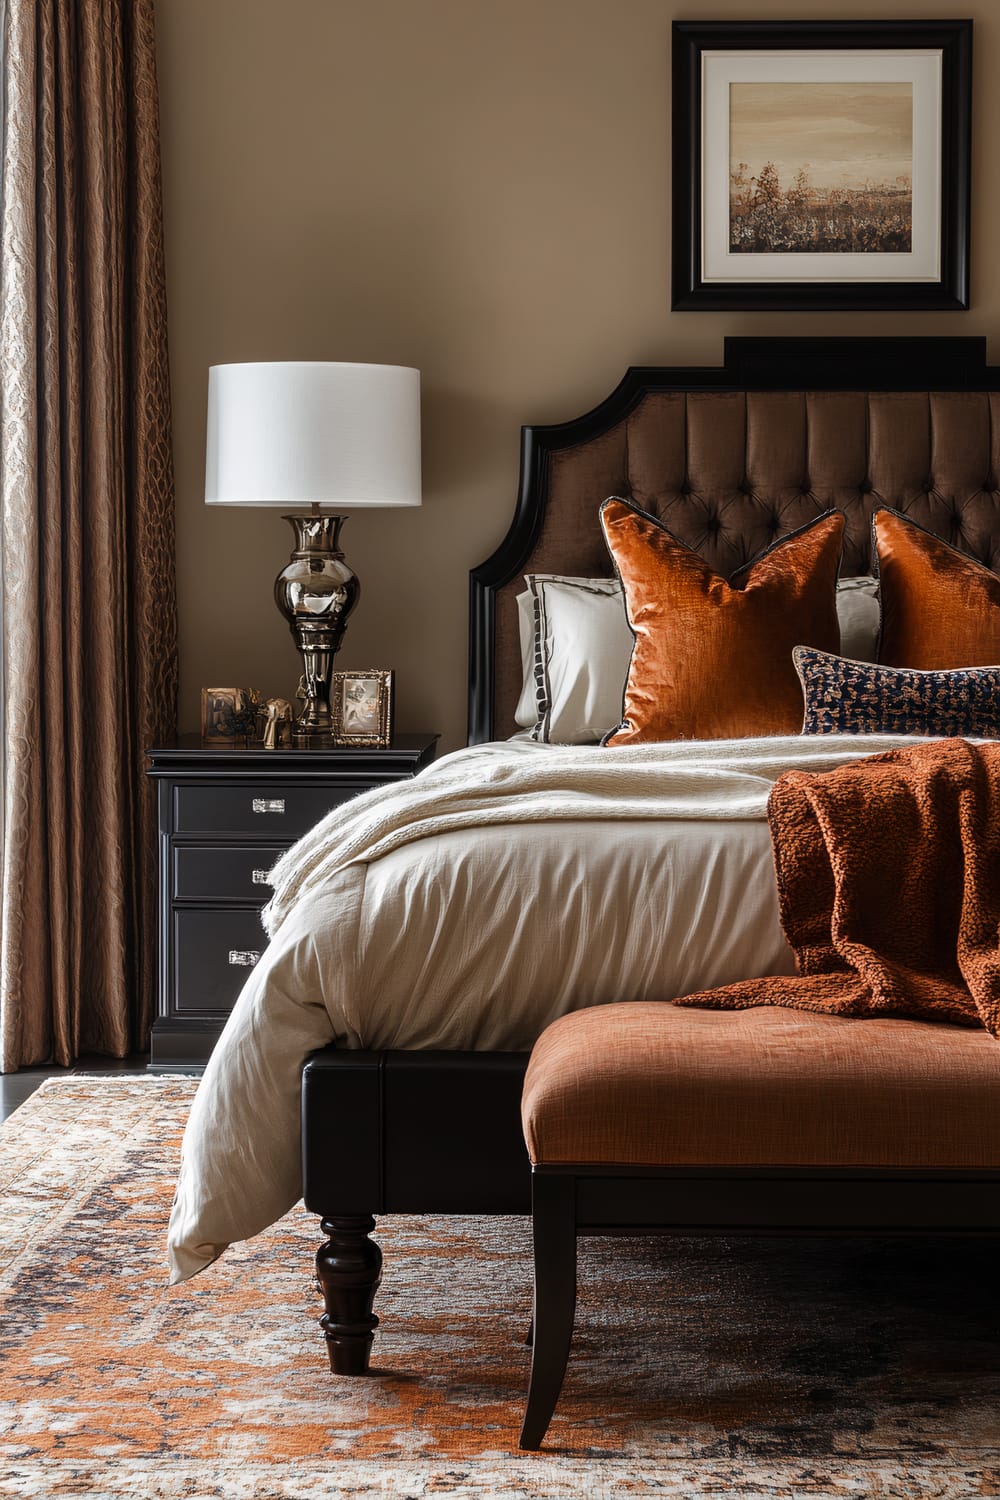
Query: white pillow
[[860, 616], [575, 651], [576, 647]]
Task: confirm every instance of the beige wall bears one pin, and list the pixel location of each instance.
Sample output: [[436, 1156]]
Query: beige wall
[[480, 188]]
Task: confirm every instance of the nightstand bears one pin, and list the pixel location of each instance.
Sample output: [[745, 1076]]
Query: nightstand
[[225, 815]]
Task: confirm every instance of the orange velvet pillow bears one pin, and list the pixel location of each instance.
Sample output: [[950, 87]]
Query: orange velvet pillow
[[713, 659], [940, 608]]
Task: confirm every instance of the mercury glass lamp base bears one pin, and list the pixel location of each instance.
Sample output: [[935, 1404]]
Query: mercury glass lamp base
[[316, 592]]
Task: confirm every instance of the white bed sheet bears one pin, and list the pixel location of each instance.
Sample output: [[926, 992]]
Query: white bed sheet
[[476, 935]]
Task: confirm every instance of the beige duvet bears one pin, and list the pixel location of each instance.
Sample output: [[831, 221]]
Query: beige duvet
[[505, 886]]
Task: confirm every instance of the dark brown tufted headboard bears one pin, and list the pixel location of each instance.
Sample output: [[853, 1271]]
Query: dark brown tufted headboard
[[732, 458]]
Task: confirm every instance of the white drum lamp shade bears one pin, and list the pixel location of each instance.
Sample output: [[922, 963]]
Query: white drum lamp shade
[[313, 433]]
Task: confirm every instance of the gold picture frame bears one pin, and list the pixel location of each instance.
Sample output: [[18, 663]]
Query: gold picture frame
[[361, 705]]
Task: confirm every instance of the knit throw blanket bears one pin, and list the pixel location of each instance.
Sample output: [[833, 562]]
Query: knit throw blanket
[[520, 783], [889, 888]]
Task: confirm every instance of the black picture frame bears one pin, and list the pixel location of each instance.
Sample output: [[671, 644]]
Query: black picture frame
[[691, 39]]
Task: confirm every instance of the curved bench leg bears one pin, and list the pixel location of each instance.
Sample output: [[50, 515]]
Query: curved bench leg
[[553, 1216], [349, 1269]]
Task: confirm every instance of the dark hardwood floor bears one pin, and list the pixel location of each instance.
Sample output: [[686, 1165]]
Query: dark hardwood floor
[[16, 1087]]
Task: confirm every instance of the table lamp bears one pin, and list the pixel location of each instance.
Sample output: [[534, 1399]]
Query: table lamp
[[315, 434]]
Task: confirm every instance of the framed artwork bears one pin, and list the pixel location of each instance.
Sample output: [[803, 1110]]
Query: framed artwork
[[228, 715], [821, 165], [361, 705]]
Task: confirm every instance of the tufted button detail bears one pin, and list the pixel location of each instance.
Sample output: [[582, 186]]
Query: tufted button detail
[[990, 482], [685, 488], [865, 487], [929, 484], [745, 487]]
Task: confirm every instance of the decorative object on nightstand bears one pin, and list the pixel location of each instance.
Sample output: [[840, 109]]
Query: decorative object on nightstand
[[228, 715], [225, 815], [314, 434], [362, 707], [278, 719]]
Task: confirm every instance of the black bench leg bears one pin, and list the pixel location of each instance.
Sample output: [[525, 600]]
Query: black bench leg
[[349, 1269], [553, 1214]]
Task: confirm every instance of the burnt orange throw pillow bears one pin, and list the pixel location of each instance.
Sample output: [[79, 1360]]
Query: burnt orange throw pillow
[[713, 658], [940, 608]]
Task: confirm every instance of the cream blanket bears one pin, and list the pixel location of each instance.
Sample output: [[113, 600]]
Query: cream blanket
[[468, 908], [523, 782]]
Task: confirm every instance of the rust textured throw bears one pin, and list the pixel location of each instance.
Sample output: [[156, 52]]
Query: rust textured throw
[[889, 888], [712, 657], [87, 535]]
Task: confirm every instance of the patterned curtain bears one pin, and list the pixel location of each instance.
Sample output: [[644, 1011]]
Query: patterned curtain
[[87, 531]]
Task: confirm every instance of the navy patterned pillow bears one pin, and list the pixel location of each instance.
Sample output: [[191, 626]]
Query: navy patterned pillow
[[858, 697]]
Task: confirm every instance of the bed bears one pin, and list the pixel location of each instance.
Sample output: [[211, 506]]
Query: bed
[[731, 458]]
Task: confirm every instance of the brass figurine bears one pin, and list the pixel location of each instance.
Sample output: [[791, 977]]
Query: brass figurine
[[278, 723]]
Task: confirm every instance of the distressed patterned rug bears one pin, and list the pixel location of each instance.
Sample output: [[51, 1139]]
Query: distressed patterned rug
[[748, 1368]]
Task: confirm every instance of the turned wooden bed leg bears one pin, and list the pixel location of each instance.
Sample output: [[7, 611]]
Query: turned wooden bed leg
[[349, 1269]]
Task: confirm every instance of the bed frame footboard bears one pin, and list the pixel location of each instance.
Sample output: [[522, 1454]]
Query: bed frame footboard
[[399, 1133]]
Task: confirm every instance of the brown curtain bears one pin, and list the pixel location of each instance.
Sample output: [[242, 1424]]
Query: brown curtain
[[86, 484]]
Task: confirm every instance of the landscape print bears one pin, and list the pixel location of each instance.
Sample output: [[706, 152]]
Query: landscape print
[[820, 168]]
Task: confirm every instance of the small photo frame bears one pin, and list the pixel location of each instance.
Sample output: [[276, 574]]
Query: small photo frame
[[361, 703], [228, 715]]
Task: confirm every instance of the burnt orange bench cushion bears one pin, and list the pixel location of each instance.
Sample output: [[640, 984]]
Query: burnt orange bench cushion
[[652, 1084]]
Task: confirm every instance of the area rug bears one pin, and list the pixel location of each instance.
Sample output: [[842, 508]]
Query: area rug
[[746, 1368]]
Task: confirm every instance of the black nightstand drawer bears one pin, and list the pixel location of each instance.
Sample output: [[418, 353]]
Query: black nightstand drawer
[[214, 951], [269, 811], [234, 872]]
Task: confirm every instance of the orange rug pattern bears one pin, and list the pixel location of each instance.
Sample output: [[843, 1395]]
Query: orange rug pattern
[[751, 1368]]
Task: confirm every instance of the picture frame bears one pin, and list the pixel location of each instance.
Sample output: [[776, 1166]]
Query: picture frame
[[361, 704], [228, 715], [776, 207]]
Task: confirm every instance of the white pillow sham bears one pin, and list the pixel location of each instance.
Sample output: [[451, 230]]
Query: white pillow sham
[[576, 647], [860, 616]]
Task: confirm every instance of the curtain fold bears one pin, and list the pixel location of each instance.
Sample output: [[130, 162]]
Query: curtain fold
[[87, 527]]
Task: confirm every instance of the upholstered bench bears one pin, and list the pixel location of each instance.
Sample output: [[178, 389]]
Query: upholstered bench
[[650, 1118]]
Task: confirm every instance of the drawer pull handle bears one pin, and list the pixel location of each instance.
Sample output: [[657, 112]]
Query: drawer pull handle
[[261, 877], [243, 958], [268, 804]]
